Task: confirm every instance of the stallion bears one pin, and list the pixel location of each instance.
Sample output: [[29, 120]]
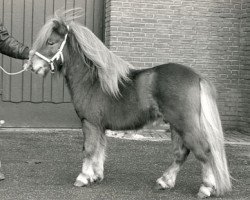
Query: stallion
[[109, 93]]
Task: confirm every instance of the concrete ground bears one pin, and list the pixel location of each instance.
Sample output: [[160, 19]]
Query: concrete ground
[[43, 164]]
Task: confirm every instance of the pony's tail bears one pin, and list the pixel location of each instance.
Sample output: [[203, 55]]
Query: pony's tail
[[211, 124]]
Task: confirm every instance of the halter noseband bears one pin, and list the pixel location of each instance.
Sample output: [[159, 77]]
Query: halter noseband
[[57, 56]]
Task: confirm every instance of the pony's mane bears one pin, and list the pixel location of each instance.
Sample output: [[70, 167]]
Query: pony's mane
[[63, 17], [111, 69], [43, 35]]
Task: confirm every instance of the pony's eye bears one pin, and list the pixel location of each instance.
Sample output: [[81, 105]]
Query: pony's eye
[[49, 42]]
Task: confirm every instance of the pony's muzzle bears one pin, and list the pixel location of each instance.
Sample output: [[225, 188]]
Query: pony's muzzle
[[39, 67]]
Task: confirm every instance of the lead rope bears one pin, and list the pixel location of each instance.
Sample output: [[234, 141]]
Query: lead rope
[[25, 68]]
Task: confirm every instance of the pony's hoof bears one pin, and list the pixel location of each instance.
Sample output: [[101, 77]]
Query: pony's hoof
[[2, 177], [159, 187], [162, 185], [80, 184], [81, 180], [201, 195], [205, 192]]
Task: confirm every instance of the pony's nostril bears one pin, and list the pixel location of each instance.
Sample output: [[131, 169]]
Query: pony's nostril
[[37, 70]]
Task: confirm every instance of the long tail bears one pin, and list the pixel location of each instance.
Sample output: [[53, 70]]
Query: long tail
[[211, 123]]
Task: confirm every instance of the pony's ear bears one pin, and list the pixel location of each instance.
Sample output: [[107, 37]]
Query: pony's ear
[[60, 28], [56, 24]]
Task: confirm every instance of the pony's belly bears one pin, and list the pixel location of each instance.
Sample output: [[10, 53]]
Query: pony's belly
[[135, 119]]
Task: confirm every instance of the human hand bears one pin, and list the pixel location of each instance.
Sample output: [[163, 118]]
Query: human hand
[[31, 54], [29, 63]]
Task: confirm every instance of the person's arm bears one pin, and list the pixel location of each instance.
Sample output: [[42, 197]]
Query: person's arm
[[11, 47]]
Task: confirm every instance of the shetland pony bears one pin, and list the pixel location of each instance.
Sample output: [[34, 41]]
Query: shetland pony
[[109, 93]]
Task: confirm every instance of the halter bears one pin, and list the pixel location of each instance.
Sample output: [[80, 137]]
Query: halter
[[57, 56]]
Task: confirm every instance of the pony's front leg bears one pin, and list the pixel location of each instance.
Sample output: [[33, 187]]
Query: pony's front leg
[[93, 155]]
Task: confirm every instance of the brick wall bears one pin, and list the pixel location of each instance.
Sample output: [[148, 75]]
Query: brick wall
[[244, 73], [203, 34]]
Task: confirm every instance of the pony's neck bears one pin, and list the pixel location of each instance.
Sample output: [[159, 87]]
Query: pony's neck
[[79, 77]]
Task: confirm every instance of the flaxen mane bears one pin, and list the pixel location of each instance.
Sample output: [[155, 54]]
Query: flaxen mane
[[111, 69], [43, 35]]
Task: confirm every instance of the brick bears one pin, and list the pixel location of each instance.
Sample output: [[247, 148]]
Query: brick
[[212, 36]]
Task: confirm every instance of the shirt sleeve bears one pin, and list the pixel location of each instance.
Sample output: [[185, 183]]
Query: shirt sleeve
[[11, 47]]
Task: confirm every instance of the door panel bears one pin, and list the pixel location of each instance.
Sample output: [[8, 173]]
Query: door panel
[[23, 19], [27, 100]]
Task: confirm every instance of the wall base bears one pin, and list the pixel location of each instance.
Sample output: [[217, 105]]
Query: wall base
[[40, 115]]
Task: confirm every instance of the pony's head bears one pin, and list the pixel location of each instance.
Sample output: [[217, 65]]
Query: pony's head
[[59, 32], [49, 46]]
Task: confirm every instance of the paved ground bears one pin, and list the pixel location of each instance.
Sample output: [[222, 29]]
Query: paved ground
[[159, 133], [42, 165]]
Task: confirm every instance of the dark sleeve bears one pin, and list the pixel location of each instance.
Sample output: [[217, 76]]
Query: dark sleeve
[[11, 47]]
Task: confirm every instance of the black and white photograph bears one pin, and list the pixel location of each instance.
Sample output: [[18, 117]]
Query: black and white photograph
[[124, 99]]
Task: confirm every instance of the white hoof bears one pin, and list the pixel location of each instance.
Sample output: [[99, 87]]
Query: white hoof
[[82, 180], [204, 192], [161, 184]]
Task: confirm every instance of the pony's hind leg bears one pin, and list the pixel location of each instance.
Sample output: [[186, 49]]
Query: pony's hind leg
[[201, 149], [180, 152], [208, 182], [93, 155]]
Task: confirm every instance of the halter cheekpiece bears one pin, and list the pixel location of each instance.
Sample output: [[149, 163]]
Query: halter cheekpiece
[[57, 56]]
